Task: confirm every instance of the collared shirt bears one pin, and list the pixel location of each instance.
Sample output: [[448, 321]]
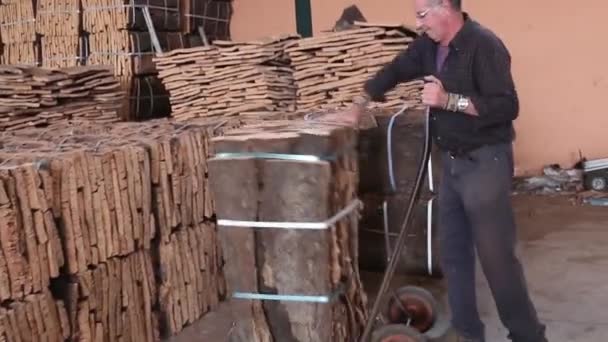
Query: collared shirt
[[478, 65]]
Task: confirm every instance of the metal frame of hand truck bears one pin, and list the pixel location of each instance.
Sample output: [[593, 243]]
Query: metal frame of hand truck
[[395, 255]]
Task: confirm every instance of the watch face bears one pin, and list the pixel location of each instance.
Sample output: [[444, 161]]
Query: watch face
[[463, 104]]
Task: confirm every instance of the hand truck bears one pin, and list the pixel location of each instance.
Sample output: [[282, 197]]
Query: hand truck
[[413, 315]]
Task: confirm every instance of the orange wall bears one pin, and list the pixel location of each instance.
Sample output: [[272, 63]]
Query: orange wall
[[561, 73], [249, 22], [326, 12]]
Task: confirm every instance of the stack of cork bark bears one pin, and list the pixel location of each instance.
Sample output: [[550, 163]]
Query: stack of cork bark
[[58, 24], [133, 213], [31, 257], [229, 78], [330, 70], [290, 194], [191, 282], [99, 195], [118, 36], [34, 96], [18, 33], [213, 16]]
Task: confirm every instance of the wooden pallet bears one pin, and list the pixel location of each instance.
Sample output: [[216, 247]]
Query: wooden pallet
[[329, 70], [38, 318], [229, 79], [290, 261], [58, 18], [17, 21], [104, 15], [115, 301], [36, 96]]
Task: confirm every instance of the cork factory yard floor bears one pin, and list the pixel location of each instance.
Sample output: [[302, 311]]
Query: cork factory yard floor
[[563, 248]]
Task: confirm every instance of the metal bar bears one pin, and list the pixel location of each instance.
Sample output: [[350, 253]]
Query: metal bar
[[288, 298], [151, 30], [264, 155], [429, 237], [201, 32], [387, 240], [390, 271], [293, 225]]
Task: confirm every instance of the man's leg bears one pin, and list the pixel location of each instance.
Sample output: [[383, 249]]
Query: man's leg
[[486, 193], [457, 256]]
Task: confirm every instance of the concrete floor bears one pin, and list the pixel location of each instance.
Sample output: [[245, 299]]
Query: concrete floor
[[563, 248]]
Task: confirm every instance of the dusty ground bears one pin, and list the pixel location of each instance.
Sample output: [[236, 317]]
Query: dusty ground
[[563, 248]]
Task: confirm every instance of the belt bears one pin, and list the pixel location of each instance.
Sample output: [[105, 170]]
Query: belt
[[460, 154]]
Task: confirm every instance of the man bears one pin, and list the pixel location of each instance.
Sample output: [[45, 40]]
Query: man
[[473, 103]]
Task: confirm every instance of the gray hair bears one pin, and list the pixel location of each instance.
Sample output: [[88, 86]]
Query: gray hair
[[456, 4]]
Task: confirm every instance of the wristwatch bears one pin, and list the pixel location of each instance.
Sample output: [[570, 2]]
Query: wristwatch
[[462, 104]]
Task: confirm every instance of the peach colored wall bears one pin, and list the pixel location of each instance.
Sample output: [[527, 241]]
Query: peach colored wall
[[326, 12], [561, 74], [254, 19], [559, 67]]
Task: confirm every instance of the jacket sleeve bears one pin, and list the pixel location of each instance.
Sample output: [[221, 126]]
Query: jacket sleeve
[[496, 99], [405, 66]]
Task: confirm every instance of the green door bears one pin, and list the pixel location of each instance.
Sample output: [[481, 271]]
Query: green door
[[304, 18]]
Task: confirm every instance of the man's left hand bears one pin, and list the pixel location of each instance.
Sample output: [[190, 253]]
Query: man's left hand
[[433, 94]]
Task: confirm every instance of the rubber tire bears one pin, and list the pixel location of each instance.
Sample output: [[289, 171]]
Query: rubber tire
[[400, 333], [440, 321], [599, 179]]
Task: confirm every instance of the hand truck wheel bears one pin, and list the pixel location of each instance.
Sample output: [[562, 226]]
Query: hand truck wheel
[[414, 307], [397, 333]]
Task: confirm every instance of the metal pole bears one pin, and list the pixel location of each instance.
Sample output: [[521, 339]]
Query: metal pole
[[151, 30], [396, 255]]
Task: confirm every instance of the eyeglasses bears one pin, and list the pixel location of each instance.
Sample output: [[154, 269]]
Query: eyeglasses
[[423, 14]]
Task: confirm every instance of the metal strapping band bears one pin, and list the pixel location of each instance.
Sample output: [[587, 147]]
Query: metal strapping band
[[265, 155], [309, 158], [18, 22], [118, 53], [101, 8], [206, 17], [294, 225], [289, 298], [75, 10], [62, 58], [36, 164]]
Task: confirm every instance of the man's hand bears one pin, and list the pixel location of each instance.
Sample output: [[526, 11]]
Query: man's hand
[[433, 94], [349, 117]]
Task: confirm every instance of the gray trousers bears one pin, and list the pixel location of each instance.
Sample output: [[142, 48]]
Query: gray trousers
[[475, 214]]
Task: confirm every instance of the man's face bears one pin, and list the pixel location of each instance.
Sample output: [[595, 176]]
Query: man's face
[[430, 18]]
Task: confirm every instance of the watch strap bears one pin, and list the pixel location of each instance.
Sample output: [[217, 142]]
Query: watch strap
[[452, 103]]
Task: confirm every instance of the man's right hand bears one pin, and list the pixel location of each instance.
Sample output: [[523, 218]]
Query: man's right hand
[[350, 117]]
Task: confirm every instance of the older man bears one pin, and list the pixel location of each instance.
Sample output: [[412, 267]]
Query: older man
[[473, 103]]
